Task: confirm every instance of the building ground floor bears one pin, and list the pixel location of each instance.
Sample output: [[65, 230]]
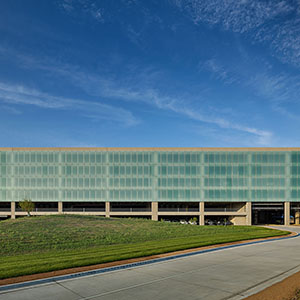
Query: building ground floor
[[210, 213]]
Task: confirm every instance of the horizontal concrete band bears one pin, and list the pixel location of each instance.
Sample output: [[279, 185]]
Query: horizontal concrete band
[[240, 215], [26, 284], [141, 213]]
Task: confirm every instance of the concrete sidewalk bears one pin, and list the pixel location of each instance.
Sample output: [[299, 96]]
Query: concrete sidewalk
[[232, 273]]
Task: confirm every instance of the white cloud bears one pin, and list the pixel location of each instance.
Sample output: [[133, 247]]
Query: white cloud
[[225, 137], [19, 94], [81, 8], [239, 16], [180, 106], [280, 89], [218, 71], [140, 90], [10, 109], [67, 5], [273, 22]]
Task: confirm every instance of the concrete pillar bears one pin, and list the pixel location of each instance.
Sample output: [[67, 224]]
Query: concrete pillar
[[287, 213], [201, 213], [107, 209], [60, 207], [297, 217], [13, 210], [248, 213], [154, 211]]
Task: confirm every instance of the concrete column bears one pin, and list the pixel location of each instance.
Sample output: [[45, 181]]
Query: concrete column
[[297, 217], [154, 210], [201, 213], [107, 209], [287, 213], [248, 213], [13, 210], [60, 207]]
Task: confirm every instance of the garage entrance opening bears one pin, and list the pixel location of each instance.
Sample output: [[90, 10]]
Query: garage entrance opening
[[268, 213]]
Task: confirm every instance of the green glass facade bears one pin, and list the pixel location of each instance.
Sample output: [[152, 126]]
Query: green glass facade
[[149, 175]]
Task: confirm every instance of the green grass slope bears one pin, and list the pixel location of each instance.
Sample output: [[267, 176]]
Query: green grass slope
[[40, 244]]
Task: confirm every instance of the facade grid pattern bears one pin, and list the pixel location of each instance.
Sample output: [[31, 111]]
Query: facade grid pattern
[[147, 176]]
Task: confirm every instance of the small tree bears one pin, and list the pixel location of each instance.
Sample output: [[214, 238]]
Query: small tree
[[193, 220], [27, 205]]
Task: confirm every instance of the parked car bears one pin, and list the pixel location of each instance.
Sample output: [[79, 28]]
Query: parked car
[[183, 222], [209, 222], [192, 222]]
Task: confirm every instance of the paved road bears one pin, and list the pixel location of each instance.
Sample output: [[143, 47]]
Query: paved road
[[232, 273]]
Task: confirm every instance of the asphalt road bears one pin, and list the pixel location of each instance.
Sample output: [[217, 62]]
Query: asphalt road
[[232, 273]]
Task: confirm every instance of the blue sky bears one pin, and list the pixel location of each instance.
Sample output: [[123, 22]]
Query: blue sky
[[151, 73]]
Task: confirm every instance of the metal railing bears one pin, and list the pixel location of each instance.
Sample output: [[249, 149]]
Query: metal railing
[[130, 209], [224, 209], [5, 209], [40, 209], [178, 209], [84, 209]]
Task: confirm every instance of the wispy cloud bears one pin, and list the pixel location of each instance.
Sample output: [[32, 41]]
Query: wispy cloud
[[218, 71], [133, 16], [67, 5], [280, 89], [239, 139], [139, 90], [283, 38], [10, 109], [239, 16], [110, 89], [79, 8], [275, 23], [263, 136], [19, 94]]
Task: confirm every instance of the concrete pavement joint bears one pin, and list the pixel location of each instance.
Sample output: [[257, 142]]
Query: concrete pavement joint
[[151, 282], [148, 283], [277, 277], [68, 289], [6, 288], [203, 285], [127, 288]]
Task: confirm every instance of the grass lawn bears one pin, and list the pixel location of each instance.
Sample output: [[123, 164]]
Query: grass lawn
[[40, 244]]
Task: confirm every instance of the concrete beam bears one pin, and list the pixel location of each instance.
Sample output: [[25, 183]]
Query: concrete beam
[[287, 213], [107, 209], [154, 210], [13, 210]]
